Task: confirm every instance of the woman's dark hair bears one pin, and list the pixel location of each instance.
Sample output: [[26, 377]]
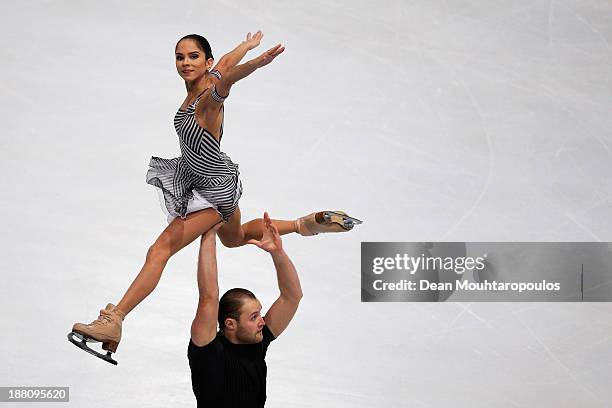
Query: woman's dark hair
[[201, 42], [230, 304]]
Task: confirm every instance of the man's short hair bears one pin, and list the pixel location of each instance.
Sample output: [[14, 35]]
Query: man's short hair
[[230, 304]]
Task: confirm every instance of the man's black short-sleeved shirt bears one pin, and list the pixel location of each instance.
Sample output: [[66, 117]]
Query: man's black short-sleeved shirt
[[224, 374]]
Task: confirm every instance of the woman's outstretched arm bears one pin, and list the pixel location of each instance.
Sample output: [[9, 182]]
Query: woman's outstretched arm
[[232, 58], [213, 103], [241, 71]]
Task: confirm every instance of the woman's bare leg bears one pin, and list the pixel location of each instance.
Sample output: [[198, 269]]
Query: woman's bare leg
[[176, 236], [234, 234]]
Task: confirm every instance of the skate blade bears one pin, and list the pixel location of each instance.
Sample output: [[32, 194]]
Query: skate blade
[[81, 342], [345, 221]]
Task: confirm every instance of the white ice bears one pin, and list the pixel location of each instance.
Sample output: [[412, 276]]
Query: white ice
[[469, 120]]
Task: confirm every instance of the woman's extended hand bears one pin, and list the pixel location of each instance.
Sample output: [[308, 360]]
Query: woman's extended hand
[[254, 40], [268, 56]]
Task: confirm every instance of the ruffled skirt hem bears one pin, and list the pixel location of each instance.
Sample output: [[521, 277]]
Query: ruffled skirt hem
[[181, 192]]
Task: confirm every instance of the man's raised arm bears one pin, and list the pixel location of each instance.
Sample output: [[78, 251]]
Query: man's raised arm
[[283, 309], [204, 326]]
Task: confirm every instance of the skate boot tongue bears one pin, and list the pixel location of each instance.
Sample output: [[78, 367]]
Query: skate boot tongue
[[106, 316], [106, 313], [113, 309]]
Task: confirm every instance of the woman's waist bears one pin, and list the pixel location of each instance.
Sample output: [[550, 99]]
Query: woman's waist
[[203, 157], [211, 172], [214, 181]]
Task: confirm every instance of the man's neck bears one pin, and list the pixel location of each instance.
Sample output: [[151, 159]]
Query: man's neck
[[231, 337]]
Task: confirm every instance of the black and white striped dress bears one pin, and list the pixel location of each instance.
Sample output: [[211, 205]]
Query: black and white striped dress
[[202, 177]]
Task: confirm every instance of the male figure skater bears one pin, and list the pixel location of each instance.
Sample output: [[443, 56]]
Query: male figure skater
[[228, 367]]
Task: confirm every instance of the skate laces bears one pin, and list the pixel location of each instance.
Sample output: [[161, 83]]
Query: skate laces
[[105, 317]]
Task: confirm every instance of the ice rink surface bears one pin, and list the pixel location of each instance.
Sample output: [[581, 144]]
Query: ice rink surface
[[431, 120]]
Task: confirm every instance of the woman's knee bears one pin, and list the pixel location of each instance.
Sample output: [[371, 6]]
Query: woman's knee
[[231, 242], [159, 252], [231, 234]]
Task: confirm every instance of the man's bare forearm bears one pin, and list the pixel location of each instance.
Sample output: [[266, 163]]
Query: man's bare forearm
[[207, 268], [204, 326], [287, 276]]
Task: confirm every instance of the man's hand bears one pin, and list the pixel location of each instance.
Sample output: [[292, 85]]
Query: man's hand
[[254, 40], [270, 240], [208, 238], [212, 232]]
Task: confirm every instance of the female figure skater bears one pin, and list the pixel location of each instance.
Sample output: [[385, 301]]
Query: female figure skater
[[201, 188]]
